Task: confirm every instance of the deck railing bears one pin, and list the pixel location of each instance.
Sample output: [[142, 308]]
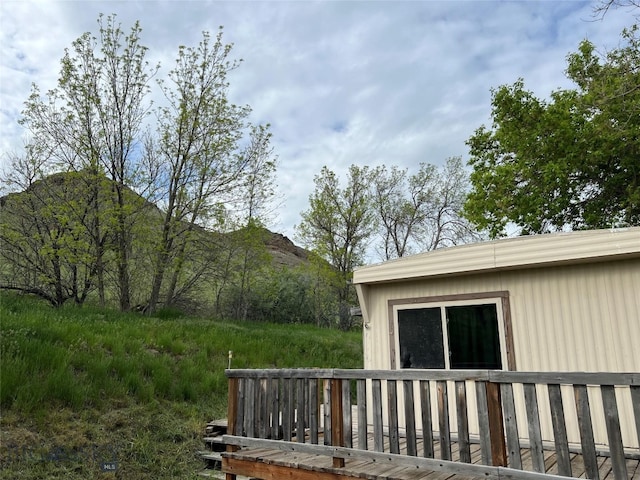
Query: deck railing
[[441, 414]]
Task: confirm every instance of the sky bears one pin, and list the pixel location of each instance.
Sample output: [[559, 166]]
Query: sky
[[341, 82]]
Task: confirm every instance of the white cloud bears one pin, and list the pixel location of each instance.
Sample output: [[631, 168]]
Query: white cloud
[[340, 82]]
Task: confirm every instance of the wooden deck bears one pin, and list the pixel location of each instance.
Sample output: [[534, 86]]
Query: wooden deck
[[409, 425], [278, 464]]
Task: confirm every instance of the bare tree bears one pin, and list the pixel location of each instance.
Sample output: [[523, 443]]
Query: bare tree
[[421, 212], [601, 8]]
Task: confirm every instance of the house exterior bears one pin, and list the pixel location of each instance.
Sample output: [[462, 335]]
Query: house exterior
[[566, 302]]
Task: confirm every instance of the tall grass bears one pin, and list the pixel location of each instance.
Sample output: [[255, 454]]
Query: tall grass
[[80, 357], [95, 367]]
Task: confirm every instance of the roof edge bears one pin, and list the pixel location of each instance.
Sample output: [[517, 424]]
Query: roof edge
[[508, 254]]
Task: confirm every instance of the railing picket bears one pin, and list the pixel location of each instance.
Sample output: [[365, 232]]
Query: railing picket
[[233, 405], [635, 400], [362, 414], [496, 425], [392, 407], [263, 408], [274, 398], [533, 423], [378, 432], [337, 413], [326, 396], [614, 434], [300, 410], [511, 427], [250, 413], [313, 410], [586, 431], [347, 424], [483, 422], [427, 427], [287, 409], [233, 396], [410, 418], [443, 420], [239, 423], [463, 422], [559, 430]]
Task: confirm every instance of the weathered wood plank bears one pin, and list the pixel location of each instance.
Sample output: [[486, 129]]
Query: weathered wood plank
[[378, 432], [410, 417], [233, 400], [314, 410], [347, 424], [262, 402], [250, 413], [381, 458], [463, 421], [392, 410], [362, 414], [566, 378], [326, 398], [497, 376], [635, 401], [241, 407], [511, 426], [483, 422], [337, 413], [427, 427], [300, 410], [274, 398], [533, 424], [443, 420], [559, 429], [287, 409], [496, 425], [614, 434], [585, 426]]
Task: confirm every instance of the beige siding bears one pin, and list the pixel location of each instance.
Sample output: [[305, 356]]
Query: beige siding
[[580, 317], [568, 318]]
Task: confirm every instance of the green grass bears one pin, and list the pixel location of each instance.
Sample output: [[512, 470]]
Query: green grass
[[78, 383]]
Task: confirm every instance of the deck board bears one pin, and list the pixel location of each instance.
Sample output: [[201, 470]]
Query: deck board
[[371, 470]]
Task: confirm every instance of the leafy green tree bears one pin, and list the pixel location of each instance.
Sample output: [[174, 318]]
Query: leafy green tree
[[197, 166], [256, 196], [338, 226], [567, 163], [91, 122], [43, 242]]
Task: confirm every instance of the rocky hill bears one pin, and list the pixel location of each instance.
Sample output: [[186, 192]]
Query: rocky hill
[[284, 251]]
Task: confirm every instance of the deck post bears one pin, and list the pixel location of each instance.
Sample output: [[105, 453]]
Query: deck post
[[232, 413], [337, 434], [496, 425]]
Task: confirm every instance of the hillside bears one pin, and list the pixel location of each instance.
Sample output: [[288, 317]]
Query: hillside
[[284, 251], [65, 238], [82, 386]]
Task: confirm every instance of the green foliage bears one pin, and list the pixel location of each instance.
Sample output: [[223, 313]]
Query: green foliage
[[74, 357], [87, 233], [570, 162], [338, 225], [81, 385]]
